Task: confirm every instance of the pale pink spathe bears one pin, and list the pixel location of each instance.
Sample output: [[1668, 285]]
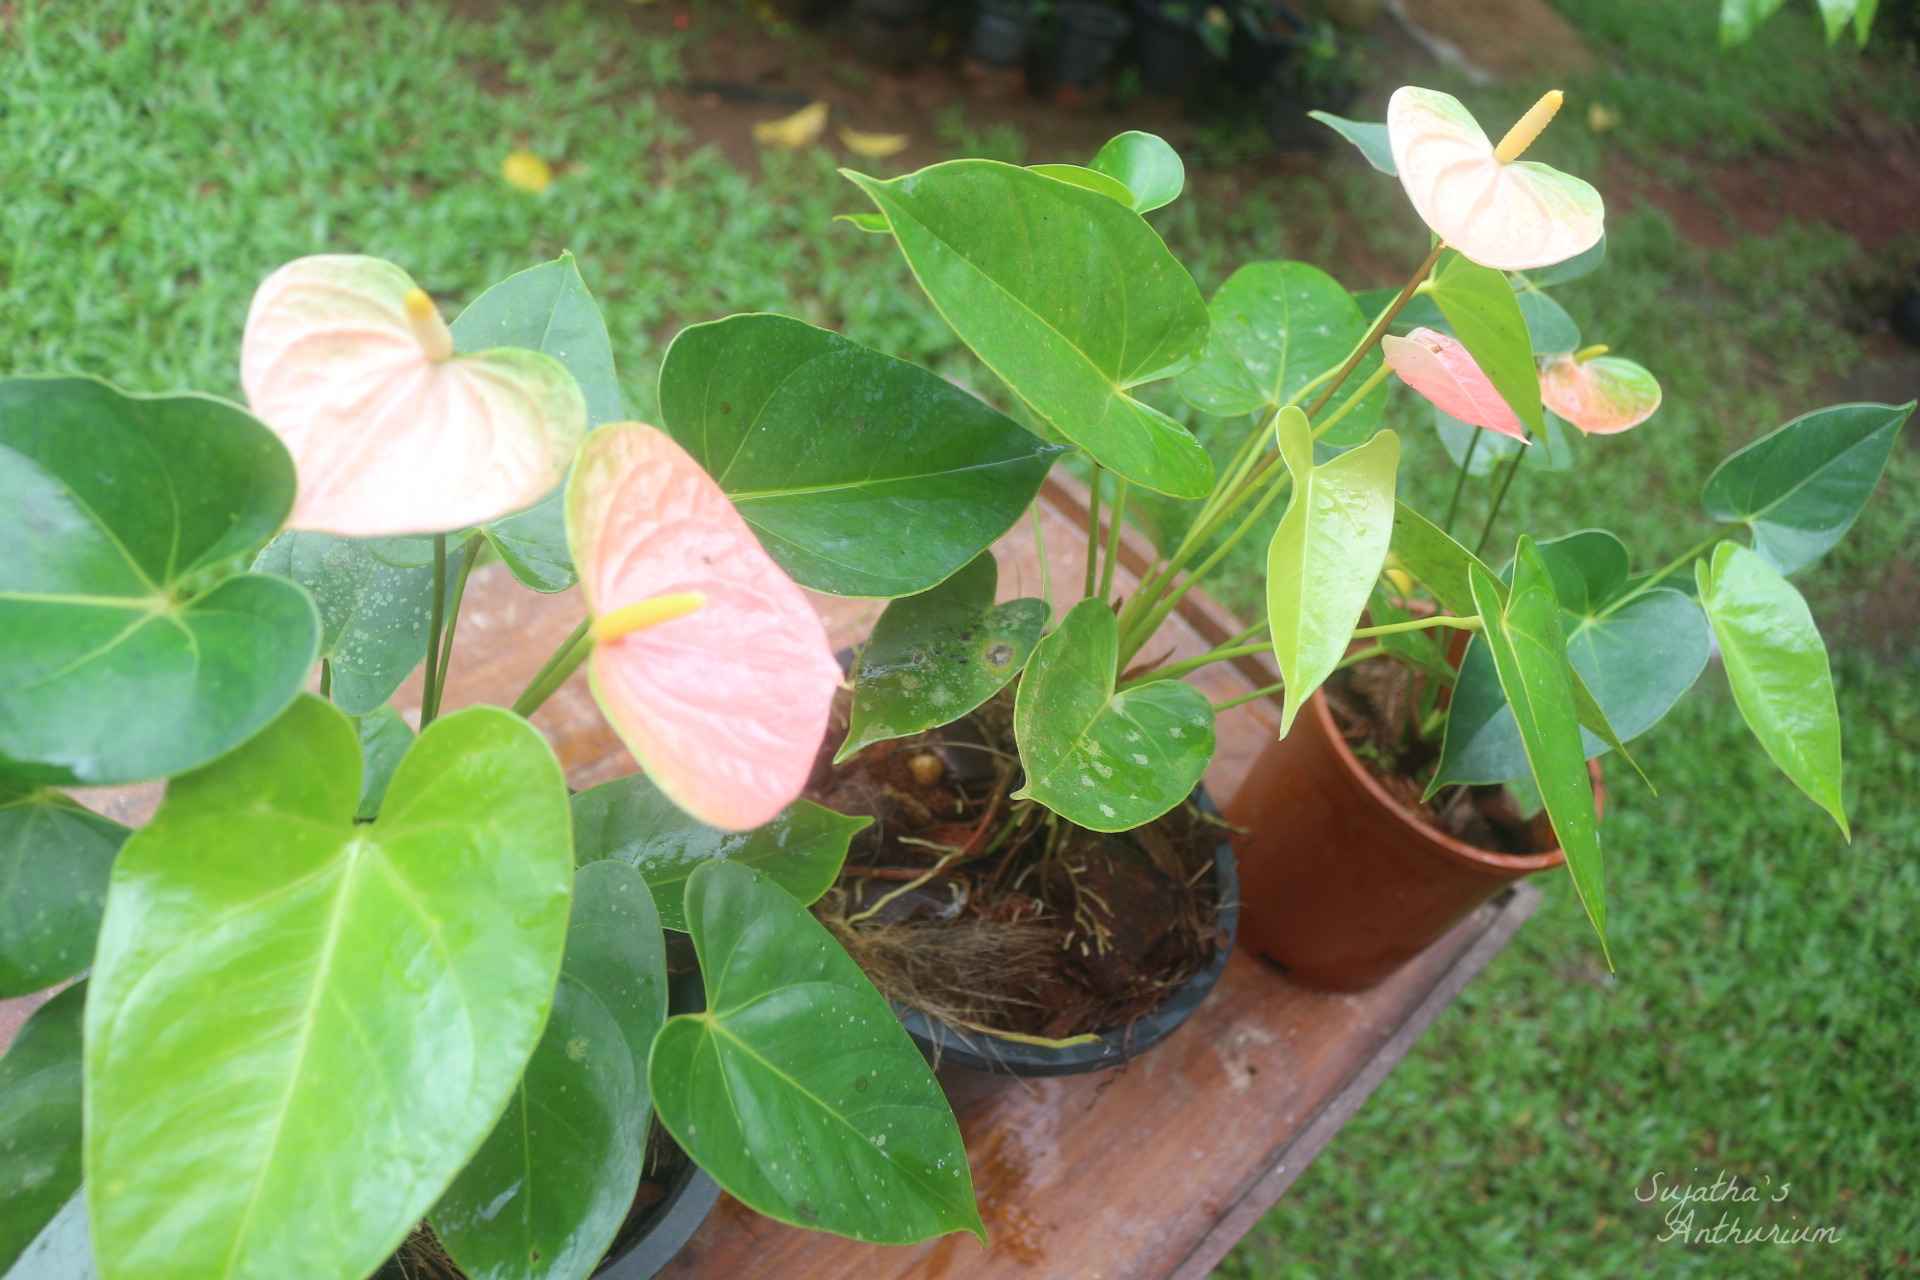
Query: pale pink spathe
[[385, 439], [724, 707], [1440, 368]]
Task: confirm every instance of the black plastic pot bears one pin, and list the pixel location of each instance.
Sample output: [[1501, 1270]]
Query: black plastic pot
[[1088, 37], [1172, 58], [893, 33], [945, 1044], [1000, 31]]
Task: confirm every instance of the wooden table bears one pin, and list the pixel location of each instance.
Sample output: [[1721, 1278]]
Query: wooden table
[[1151, 1170]]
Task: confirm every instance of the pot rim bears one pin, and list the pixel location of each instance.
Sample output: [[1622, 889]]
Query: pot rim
[[1471, 856]]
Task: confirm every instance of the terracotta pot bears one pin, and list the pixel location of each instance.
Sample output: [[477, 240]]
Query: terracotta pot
[[1340, 883]]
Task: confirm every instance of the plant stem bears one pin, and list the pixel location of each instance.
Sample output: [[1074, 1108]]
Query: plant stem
[[565, 660], [1418, 624], [1460, 481], [1118, 514], [1040, 550], [1352, 659], [1211, 656], [1493, 512], [1660, 575], [469, 552], [1378, 327], [434, 621], [1093, 531], [326, 679], [1360, 393]]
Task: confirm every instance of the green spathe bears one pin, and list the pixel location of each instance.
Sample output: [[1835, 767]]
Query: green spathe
[[862, 475], [1106, 760], [797, 1089], [1070, 298], [129, 651], [283, 999], [936, 656]]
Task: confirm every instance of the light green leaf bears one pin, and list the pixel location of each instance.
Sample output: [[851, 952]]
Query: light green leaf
[[1529, 654], [126, 650], [385, 738], [1070, 299], [283, 998], [630, 820], [1800, 487], [936, 656], [40, 1122], [1369, 136], [1484, 315], [1106, 760], [1835, 14], [863, 475], [1275, 327], [54, 860], [1143, 162], [1326, 553], [798, 1090], [376, 605], [872, 223], [1739, 19], [550, 1188], [1777, 665], [547, 309], [1081, 176]]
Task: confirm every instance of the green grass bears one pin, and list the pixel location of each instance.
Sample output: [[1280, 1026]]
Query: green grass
[[154, 166]]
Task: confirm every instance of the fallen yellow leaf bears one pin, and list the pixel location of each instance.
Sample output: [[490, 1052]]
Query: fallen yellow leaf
[[1601, 117], [874, 146], [794, 131], [527, 171]]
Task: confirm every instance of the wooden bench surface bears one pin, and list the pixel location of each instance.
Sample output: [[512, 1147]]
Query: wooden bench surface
[[1150, 1170]]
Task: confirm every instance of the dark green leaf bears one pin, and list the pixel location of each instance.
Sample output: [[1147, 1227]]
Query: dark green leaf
[[1369, 136], [797, 1089], [1105, 760], [1529, 654], [1070, 299], [936, 656], [549, 1189], [1481, 310], [1549, 328], [629, 819], [1581, 264], [862, 474], [385, 738], [120, 657], [1552, 450], [62, 1250], [547, 309], [1777, 665], [1149, 169], [376, 606], [40, 1099], [1799, 488], [283, 998], [54, 859]]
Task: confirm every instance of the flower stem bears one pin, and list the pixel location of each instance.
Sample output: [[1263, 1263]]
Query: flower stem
[[326, 679], [1093, 531], [1493, 512], [1460, 481], [1357, 656], [435, 619], [1418, 624], [1660, 575], [1360, 393], [1378, 327], [1113, 538], [1224, 653], [469, 552], [565, 661]]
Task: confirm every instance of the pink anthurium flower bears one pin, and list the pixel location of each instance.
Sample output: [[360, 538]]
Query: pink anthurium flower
[[1600, 394], [1440, 368], [1501, 212], [708, 661], [391, 432]]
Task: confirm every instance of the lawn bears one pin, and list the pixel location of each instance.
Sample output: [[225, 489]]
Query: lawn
[[154, 166]]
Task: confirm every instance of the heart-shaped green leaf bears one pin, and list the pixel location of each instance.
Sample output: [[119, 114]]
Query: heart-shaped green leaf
[[1584, 263], [40, 1122], [1638, 655], [126, 656], [385, 739], [285, 1002], [1483, 314], [54, 859], [1799, 488], [1369, 136], [547, 309], [1143, 163], [861, 474], [1080, 176], [1777, 665], [797, 1089], [376, 606], [1069, 298], [1530, 656], [1430, 554], [936, 656], [1549, 328], [1275, 327], [629, 819], [1326, 552], [549, 1189], [1105, 760]]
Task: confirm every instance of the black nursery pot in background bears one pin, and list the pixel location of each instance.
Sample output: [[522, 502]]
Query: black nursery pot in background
[[893, 33], [1000, 32], [1173, 60], [1086, 39]]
